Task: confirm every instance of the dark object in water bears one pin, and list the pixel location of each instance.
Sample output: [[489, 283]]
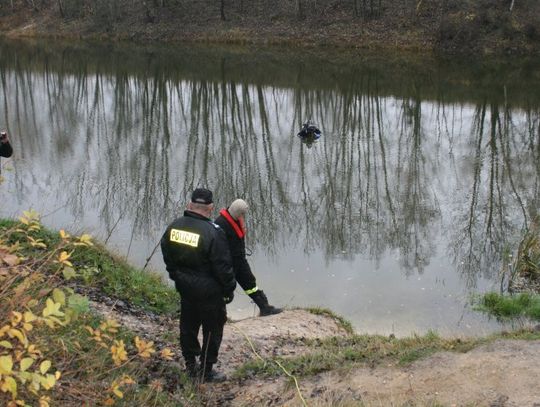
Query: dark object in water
[[309, 133]]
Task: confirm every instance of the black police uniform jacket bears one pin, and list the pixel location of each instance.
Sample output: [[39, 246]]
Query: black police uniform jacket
[[237, 243], [197, 258]]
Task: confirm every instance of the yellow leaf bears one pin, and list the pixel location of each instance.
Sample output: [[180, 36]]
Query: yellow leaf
[[109, 325], [44, 366], [25, 377], [63, 258], [44, 401], [127, 380], [59, 296], [117, 392], [34, 227], [109, 402], [6, 365], [31, 215], [26, 363], [118, 352], [48, 381], [85, 240], [6, 344], [49, 323], [36, 242], [29, 316], [63, 234], [27, 327], [15, 247], [33, 303], [9, 385], [167, 354], [35, 385], [52, 308], [33, 350], [57, 375], [16, 317], [145, 348], [4, 330], [15, 333]]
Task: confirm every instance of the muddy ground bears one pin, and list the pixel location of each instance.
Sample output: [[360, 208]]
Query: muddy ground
[[501, 373]]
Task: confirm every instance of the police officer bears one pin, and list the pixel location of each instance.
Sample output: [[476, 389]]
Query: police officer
[[232, 221], [197, 258]]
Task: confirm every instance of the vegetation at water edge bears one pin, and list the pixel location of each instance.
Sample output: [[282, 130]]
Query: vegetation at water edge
[[53, 350]]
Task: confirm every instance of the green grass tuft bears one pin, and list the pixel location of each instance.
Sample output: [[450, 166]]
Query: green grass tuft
[[505, 307]]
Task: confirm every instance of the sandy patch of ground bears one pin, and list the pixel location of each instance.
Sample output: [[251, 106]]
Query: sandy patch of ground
[[502, 373]]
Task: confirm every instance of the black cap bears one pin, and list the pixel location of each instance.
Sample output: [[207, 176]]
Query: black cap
[[202, 196]]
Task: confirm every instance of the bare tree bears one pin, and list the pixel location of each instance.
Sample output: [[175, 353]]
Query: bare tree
[[61, 8]]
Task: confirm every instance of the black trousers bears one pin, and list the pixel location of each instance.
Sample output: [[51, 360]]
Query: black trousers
[[211, 315], [244, 277]]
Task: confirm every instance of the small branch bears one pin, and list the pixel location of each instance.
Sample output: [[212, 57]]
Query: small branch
[[151, 254]]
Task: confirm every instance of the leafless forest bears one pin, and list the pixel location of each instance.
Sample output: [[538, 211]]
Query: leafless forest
[[486, 26]]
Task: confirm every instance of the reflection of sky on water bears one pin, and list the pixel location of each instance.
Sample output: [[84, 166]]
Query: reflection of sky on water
[[377, 298], [401, 208]]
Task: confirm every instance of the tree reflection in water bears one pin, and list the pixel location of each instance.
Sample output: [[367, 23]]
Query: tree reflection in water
[[405, 163]]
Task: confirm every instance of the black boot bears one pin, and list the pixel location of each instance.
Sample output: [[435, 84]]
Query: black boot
[[262, 302], [211, 375], [192, 368]]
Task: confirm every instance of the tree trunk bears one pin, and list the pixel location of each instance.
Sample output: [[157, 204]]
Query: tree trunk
[[222, 10], [60, 8]]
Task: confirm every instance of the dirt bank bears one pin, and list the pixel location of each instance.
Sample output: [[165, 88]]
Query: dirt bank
[[499, 373], [503, 373], [471, 26]]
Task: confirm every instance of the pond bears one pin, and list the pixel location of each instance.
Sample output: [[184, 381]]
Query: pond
[[424, 178]]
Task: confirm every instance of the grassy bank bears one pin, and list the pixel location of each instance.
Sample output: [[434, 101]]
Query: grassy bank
[[91, 264], [53, 350], [343, 354], [519, 296]]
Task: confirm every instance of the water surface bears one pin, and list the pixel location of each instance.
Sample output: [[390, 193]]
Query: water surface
[[426, 174]]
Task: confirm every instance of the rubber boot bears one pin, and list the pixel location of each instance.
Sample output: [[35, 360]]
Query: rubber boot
[[211, 375], [262, 302]]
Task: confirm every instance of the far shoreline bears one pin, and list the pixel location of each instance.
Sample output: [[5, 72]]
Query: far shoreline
[[464, 28]]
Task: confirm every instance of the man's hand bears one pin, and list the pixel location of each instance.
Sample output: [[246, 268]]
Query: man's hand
[[228, 298], [3, 137]]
